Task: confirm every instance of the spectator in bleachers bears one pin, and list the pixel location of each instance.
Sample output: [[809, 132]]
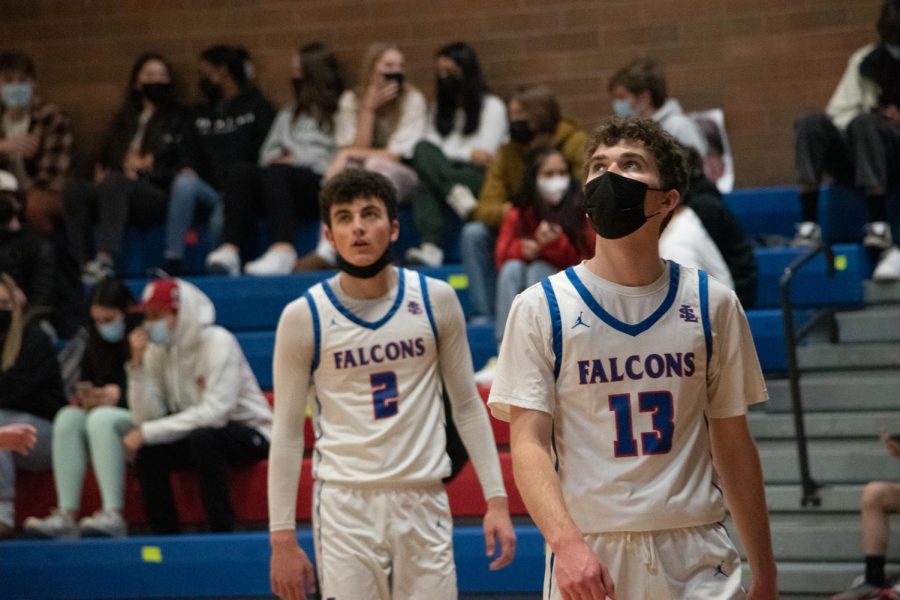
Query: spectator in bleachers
[[293, 159], [640, 90], [705, 200], [546, 231], [377, 127], [232, 121], [194, 401], [18, 437], [535, 121], [880, 499], [151, 140], [35, 142], [93, 428], [857, 141], [466, 125], [31, 392]]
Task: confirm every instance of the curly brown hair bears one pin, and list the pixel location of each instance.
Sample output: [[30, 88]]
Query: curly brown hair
[[665, 150], [352, 184]]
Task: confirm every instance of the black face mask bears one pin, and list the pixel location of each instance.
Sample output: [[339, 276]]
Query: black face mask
[[5, 321], [616, 204], [398, 77], [297, 85], [368, 271], [520, 131], [210, 90], [449, 86], [157, 93]]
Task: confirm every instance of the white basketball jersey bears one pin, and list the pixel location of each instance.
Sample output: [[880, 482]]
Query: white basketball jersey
[[630, 436], [378, 414]]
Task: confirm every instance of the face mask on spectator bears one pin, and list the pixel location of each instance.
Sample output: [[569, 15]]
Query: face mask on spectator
[[5, 321], [615, 204], [210, 90], [623, 108], [893, 50], [112, 332], [449, 86], [520, 131], [397, 77], [552, 189], [157, 93], [16, 95], [158, 332]]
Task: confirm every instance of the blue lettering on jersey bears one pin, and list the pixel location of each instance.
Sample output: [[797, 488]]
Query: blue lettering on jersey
[[636, 367], [379, 353]]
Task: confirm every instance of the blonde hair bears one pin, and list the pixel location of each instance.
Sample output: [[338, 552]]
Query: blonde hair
[[12, 344], [389, 116]]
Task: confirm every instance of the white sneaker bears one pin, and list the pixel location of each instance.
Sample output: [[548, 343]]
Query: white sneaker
[[858, 590], [888, 268], [428, 254], [461, 200], [878, 235], [103, 523], [808, 234], [485, 376], [59, 524], [224, 260], [276, 261]]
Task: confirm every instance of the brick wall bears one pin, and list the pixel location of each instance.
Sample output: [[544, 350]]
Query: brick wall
[[762, 61]]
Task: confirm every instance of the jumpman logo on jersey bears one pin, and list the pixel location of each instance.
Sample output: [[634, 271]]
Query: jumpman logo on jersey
[[333, 323], [580, 321], [686, 312], [439, 524], [720, 570]]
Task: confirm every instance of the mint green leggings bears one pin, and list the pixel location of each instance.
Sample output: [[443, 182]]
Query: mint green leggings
[[99, 432]]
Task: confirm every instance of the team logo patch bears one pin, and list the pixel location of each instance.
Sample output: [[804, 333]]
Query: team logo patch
[[414, 308], [580, 321], [686, 312]]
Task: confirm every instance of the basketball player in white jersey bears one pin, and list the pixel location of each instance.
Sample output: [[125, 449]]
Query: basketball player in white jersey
[[626, 381], [369, 350]]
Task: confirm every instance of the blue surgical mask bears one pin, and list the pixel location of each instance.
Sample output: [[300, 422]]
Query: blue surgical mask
[[112, 332], [16, 95], [158, 332], [623, 108], [893, 50]]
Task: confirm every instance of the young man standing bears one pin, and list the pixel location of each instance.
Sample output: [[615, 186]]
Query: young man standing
[[626, 380], [375, 344]]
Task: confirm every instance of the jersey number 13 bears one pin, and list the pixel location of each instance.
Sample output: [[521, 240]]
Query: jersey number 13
[[658, 441]]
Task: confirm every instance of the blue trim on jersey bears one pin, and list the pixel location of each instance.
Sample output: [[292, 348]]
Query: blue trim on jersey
[[637, 328], [362, 323], [556, 323], [704, 314], [317, 331], [427, 301]]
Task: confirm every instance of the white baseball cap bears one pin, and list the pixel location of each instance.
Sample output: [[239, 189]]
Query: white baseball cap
[[8, 182]]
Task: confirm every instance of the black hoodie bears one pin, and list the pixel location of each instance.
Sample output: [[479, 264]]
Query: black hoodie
[[33, 384]]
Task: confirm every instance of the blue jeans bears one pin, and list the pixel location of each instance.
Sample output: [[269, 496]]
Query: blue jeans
[[38, 459], [477, 246], [188, 194], [515, 277]]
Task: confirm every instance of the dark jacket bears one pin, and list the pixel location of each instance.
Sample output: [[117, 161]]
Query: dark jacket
[[104, 362], [232, 132], [883, 69], [170, 137], [31, 261], [33, 384], [706, 200]]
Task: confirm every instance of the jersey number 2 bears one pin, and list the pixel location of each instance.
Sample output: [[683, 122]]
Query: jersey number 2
[[384, 393], [658, 441]]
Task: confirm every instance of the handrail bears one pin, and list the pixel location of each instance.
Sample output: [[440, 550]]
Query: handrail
[[791, 338]]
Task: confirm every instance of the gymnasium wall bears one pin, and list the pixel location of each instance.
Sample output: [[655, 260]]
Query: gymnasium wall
[[762, 61]]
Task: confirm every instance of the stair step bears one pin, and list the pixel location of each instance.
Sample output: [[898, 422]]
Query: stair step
[[849, 356], [828, 538], [825, 424], [881, 292], [831, 461], [785, 498], [873, 324], [839, 390]]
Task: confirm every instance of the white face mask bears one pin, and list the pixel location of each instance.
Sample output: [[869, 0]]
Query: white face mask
[[552, 189], [158, 332]]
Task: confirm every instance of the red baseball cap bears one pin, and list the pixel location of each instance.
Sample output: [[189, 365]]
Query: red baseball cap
[[159, 295]]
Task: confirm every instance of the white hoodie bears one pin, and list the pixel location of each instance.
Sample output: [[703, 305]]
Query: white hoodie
[[201, 380]]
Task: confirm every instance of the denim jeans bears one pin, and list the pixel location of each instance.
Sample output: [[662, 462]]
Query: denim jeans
[[38, 459], [188, 194], [515, 277], [477, 246]]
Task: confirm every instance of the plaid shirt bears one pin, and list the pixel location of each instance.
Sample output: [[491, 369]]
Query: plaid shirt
[[48, 168]]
